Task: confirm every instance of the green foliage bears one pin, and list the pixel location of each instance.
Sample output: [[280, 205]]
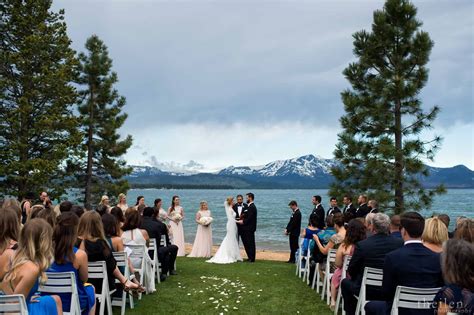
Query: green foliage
[[380, 147], [37, 128], [101, 169]]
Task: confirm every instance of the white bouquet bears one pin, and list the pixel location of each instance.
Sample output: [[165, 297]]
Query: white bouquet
[[205, 221], [175, 216]]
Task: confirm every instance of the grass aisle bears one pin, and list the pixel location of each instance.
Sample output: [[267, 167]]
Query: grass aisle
[[265, 287]]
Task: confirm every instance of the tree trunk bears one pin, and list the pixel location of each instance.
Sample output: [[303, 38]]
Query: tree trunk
[[90, 148], [399, 163], [23, 153]]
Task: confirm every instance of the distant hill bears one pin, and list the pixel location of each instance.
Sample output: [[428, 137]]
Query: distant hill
[[307, 171]]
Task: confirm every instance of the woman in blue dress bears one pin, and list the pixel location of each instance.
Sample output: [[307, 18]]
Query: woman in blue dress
[[29, 264], [68, 258]]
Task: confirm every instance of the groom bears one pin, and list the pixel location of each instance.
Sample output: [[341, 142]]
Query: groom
[[248, 226]]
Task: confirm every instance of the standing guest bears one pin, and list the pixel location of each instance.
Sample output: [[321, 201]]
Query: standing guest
[[9, 233], [176, 216], [363, 209], [355, 232], [162, 215], [78, 210], [369, 224], [45, 201], [373, 206], [102, 209], [333, 209], [68, 258], [318, 211], [293, 230], [28, 267], [119, 216], [140, 202], [65, 206], [202, 246], [446, 219], [395, 226], [122, 202], [348, 206], [435, 234], [465, 230], [26, 204], [368, 253], [457, 297], [412, 265]]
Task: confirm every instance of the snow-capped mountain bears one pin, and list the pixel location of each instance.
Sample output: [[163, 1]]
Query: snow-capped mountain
[[305, 166]]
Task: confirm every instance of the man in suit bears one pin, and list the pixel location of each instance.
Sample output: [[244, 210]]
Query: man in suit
[[318, 211], [373, 206], [395, 226], [348, 206], [248, 222], [239, 208], [293, 230], [155, 228], [412, 265], [368, 253], [363, 209], [333, 209]]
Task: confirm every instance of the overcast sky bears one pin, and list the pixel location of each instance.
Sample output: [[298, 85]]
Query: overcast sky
[[248, 82]]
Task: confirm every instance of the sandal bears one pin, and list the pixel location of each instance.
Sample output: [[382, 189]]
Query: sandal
[[129, 287]]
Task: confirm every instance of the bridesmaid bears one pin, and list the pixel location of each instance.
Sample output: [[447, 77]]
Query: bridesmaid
[[177, 225], [202, 246]]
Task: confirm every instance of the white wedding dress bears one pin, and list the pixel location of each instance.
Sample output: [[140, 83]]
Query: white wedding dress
[[229, 251]]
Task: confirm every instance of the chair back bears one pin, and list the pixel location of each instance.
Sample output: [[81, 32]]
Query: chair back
[[63, 283], [345, 265], [13, 304], [413, 298], [163, 240]]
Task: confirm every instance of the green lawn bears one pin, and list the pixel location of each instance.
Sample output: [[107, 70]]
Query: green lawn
[[264, 287]]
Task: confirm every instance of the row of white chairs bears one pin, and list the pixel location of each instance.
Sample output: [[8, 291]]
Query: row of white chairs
[[405, 297]]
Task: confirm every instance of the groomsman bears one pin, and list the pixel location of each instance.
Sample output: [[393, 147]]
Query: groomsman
[[239, 208], [363, 209], [318, 211], [293, 230], [333, 207], [348, 206], [373, 204]]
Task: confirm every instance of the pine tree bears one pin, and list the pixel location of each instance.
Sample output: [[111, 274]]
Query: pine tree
[[101, 107], [37, 126], [381, 147]]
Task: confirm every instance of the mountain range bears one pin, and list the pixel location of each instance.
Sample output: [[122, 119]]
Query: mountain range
[[307, 171]]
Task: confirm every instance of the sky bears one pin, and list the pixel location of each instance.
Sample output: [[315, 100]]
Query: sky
[[249, 82]]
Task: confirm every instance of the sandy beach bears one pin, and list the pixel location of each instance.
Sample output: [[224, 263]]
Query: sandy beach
[[262, 254]]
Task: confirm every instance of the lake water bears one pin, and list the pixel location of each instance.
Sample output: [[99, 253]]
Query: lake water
[[273, 212]]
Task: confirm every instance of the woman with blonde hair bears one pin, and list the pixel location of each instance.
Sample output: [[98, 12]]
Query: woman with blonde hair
[[9, 234], [202, 246], [465, 230], [434, 234], [122, 202], [28, 268]]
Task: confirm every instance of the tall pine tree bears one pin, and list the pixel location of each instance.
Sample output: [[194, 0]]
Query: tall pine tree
[[101, 107], [37, 127], [381, 146]]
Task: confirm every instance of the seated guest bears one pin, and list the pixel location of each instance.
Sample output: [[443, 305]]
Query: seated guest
[[28, 267], [293, 229], [65, 206], [68, 258], [333, 209], [368, 222], [14, 205], [465, 230], [395, 226], [78, 210], [156, 229], [435, 234], [368, 253], [457, 297], [102, 209], [363, 208], [373, 206], [119, 216], [9, 233], [412, 265], [355, 232], [446, 219], [47, 214], [335, 239], [307, 233], [458, 221]]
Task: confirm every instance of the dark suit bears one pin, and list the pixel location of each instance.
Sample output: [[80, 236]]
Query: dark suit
[[332, 211], [237, 214], [412, 265], [373, 210], [367, 253], [318, 211], [248, 229], [293, 229], [362, 211], [349, 209]]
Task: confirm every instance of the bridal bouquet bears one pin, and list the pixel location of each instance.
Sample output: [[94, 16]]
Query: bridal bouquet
[[175, 216], [205, 221]]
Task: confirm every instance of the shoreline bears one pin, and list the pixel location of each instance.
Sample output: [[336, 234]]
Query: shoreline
[[261, 254]]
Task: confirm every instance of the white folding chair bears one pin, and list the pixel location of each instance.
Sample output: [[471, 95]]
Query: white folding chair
[[345, 264], [372, 277], [98, 270], [122, 262], [156, 265], [317, 282], [63, 282], [331, 259], [13, 304], [413, 298], [138, 252]]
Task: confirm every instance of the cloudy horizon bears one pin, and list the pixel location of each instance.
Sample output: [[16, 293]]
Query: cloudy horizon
[[247, 83]]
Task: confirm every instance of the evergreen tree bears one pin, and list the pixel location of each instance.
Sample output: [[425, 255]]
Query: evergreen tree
[[37, 126], [100, 107], [380, 147]]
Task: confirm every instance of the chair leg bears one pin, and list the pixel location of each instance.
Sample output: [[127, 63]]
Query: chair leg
[[109, 301], [328, 289], [338, 300]]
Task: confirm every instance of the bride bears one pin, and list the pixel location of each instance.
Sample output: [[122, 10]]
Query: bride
[[229, 251]]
